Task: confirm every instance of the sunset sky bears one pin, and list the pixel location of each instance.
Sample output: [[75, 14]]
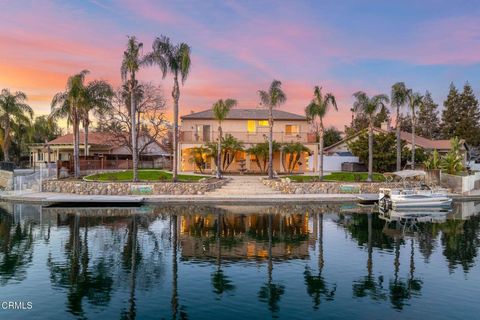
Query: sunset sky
[[238, 47]]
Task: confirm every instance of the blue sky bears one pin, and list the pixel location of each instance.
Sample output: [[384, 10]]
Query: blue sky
[[238, 47]]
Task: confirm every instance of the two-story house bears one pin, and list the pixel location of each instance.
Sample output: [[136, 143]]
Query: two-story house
[[250, 126]]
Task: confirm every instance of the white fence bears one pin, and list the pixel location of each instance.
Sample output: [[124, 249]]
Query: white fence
[[331, 163], [33, 182]]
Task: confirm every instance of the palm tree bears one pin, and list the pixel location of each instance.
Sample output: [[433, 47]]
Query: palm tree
[[68, 104], [131, 63], [400, 96], [174, 59], [220, 109], [270, 99], [398, 99], [318, 108], [369, 107], [98, 96], [13, 112], [415, 100]]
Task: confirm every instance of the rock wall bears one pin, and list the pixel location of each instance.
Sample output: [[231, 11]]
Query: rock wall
[[286, 186], [6, 180], [130, 188]]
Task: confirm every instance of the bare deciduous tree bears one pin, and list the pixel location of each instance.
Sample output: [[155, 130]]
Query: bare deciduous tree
[[151, 123]]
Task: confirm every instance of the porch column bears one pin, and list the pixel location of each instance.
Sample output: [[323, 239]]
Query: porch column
[[315, 159], [179, 158], [58, 154], [247, 161], [281, 161]]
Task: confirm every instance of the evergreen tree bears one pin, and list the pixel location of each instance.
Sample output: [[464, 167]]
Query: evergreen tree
[[360, 121], [382, 116], [469, 126], [461, 116], [332, 135], [405, 122], [450, 114], [428, 123]]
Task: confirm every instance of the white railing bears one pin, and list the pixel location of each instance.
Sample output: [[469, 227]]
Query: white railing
[[33, 182]]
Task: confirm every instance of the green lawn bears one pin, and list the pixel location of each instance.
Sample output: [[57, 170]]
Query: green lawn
[[339, 176], [143, 175]]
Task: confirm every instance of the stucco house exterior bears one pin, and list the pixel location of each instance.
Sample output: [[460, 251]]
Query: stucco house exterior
[[250, 126]]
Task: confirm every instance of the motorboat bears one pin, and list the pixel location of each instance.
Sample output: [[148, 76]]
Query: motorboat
[[413, 198]]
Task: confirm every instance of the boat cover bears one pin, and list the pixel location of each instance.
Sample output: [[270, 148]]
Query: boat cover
[[409, 173]]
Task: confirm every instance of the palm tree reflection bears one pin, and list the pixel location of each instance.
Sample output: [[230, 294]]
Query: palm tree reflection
[[131, 258], [400, 290], [271, 292], [220, 282], [16, 247], [93, 283], [317, 286], [368, 285]]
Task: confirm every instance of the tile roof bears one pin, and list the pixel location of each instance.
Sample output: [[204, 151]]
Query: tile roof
[[94, 138], [247, 114], [407, 136]]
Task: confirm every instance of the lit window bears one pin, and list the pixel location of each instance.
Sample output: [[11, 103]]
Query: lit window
[[291, 129], [251, 127], [263, 123]]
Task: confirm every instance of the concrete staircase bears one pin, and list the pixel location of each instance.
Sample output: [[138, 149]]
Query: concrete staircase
[[242, 186]]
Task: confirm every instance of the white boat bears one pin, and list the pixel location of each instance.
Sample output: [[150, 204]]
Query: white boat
[[413, 198]]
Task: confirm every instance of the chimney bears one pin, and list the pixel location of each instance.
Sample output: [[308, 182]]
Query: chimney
[[385, 126]]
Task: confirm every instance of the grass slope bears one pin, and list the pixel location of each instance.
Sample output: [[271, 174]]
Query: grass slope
[[340, 176], [143, 175]]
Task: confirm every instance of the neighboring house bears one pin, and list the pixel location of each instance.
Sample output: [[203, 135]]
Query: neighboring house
[[100, 145], [250, 126], [442, 146]]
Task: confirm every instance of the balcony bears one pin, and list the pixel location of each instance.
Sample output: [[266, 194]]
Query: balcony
[[258, 137]]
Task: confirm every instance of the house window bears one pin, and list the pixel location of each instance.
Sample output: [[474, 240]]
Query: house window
[[39, 155], [263, 123], [251, 127], [291, 129]]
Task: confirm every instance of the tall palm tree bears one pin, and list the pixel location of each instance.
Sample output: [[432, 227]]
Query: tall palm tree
[[270, 99], [369, 107], [98, 94], [402, 95], [131, 63], [398, 99], [317, 109], [415, 100], [220, 109], [13, 112], [174, 59], [68, 104]]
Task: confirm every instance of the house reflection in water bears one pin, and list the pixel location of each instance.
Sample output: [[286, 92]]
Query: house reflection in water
[[245, 235]]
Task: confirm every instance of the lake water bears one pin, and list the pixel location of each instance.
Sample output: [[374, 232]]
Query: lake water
[[238, 262]]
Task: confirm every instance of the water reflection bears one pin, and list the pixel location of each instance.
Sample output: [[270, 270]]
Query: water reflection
[[130, 262]]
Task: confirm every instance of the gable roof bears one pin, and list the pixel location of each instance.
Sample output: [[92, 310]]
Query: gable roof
[[246, 114], [406, 136], [94, 138]]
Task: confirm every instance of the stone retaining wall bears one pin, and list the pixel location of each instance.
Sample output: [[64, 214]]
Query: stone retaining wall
[[130, 188], [286, 186], [6, 180]]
